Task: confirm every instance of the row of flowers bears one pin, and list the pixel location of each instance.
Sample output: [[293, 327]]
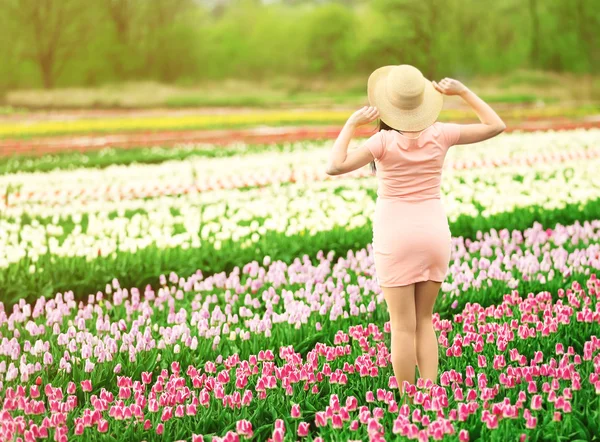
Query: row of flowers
[[298, 163], [524, 365], [106, 228], [268, 300], [39, 127], [158, 123]]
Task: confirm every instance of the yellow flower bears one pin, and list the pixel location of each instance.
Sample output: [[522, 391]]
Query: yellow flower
[[29, 128]]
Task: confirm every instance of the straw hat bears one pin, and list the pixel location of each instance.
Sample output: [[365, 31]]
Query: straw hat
[[406, 100]]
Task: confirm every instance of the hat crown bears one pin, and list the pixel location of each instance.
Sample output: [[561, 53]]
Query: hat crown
[[405, 86]]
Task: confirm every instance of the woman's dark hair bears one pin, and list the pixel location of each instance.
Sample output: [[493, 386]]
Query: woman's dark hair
[[381, 126]]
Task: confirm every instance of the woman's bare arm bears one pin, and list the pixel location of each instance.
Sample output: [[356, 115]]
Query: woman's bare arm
[[491, 123], [341, 161]]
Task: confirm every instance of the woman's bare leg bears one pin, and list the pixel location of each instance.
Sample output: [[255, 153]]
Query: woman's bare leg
[[426, 293], [401, 307]]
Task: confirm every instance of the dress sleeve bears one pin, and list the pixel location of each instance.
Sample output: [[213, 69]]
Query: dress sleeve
[[451, 132], [376, 145]]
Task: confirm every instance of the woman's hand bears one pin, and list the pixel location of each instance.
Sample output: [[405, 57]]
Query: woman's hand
[[450, 86], [363, 116]]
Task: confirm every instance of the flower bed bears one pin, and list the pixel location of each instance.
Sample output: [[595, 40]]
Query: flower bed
[[143, 363]]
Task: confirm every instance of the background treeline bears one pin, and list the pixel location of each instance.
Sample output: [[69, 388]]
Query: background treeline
[[54, 43]]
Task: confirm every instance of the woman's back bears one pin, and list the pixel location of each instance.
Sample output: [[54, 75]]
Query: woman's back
[[412, 241], [410, 169]]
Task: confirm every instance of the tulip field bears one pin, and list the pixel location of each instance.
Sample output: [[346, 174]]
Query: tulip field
[[202, 296]]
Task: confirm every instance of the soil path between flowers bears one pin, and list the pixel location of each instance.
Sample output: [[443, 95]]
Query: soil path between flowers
[[262, 135]]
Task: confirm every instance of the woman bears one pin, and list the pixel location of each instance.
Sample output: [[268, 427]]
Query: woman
[[411, 235]]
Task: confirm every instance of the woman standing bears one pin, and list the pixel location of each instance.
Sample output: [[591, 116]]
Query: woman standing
[[411, 235]]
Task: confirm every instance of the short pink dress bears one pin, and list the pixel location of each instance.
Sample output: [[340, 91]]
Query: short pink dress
[[411, 235]]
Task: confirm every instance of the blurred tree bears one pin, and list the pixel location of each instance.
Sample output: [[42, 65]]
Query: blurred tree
[[535, 32], [587, 19], [166, 37], [122, 14], [218, 8], [481, 43], [81, 42], [10, 70], [416, 24], [53, 31], [330, 38], [571, 37], [125, 18]]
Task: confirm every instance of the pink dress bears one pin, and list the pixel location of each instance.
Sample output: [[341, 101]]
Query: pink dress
[[411, 235]]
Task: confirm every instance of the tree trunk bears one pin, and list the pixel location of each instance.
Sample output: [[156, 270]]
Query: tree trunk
[[535, 33], [433, 23], [47, 68]]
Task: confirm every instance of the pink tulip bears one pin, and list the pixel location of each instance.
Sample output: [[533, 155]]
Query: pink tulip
[[337, 422], [146, 377], [481, 361], [416, 415], [102, 426], [244, 428], [79, 428], [536, 402], [34, 391], [278, 435], [166, 414], [351, 403], [124, 393], [492, 422], [531, 422], [303, 429], [320, 419], [373, 426], [191, 409], [557, 416], [86, 385], [471, 395]]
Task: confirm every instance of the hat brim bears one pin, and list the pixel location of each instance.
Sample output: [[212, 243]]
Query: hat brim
[[415, 119]]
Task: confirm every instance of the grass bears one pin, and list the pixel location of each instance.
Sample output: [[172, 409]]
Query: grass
[[290, 99], [9, 110], [518, 87], [227, 93], [530, 79], [518, 99]]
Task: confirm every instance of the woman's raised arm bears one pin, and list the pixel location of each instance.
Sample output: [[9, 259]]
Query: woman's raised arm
[[491, 123]]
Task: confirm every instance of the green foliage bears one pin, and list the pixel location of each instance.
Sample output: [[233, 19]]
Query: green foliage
[[528, 78], [330, 35], [177, 41], [511, 98]]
